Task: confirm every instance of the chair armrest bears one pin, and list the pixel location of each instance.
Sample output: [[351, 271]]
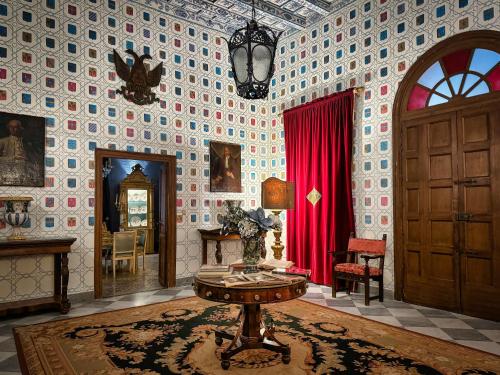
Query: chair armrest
[[368, 257], [334, 255]]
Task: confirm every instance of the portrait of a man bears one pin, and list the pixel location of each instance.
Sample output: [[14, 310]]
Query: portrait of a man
[[22, 150], [225, 167]]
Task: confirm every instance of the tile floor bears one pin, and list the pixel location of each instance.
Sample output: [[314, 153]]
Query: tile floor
[[465, 330], [126, 282]]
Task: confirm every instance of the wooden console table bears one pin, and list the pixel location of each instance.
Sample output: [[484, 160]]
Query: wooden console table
[[59, 247], [214, 235]]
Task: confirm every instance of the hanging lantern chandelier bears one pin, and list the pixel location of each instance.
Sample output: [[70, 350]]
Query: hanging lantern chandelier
[[251, 51]]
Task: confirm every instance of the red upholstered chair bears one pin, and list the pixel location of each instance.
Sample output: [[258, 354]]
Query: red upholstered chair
[[352, 271]]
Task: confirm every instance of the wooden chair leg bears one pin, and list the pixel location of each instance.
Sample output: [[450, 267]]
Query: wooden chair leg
[[334, 285], [348, 286], [144, 260], [114, 269], [381, 289], [367, 291]]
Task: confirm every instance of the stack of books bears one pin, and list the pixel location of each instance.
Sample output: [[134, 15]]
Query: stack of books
[[214, 271]]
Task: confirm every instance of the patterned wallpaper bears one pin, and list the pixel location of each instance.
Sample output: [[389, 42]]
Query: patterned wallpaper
[[55, 62], [371, 44]]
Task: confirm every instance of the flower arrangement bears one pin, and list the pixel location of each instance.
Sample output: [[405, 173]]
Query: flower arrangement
[[251, 225]]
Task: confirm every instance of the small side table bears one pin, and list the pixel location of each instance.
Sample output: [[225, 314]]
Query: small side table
[[59, 247], [249, 335], [214, 235]]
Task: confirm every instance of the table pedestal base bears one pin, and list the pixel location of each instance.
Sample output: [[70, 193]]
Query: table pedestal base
[[252, 333]]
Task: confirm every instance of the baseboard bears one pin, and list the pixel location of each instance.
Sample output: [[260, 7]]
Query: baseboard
[[81, 297], [89, 296], [184, 281]]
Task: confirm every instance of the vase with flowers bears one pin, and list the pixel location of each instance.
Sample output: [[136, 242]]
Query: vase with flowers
[[252, 226]]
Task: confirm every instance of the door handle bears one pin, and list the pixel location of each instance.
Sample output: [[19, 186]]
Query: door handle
[[470, 252], [463, 216], [468, 181]]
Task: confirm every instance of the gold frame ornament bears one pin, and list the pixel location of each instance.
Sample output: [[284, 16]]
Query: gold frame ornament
[[130, 210]]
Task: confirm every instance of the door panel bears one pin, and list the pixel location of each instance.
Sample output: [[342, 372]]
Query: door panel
[[478, 140], [451, 213], [430, 238]]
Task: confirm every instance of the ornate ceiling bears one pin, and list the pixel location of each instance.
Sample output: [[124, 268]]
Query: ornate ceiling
[[228, 15]]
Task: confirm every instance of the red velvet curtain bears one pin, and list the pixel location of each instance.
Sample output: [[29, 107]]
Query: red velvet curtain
[[318, 141]]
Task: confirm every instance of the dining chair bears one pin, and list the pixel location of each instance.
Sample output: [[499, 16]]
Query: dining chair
[[106, 246], [124, 248], [141, 246]]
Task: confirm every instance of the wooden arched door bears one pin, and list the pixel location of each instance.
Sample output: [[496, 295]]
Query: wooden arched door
[[446, 129]]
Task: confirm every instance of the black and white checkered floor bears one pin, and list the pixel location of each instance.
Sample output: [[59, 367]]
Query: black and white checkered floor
[[465, 330]]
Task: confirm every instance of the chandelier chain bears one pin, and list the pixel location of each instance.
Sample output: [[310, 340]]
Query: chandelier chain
[[253, 9]]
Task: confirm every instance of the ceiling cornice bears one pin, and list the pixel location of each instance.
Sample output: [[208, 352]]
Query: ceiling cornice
[[270, 9], [226, 16]]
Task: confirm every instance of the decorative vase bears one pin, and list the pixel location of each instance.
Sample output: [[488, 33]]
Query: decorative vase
[[232, 203], [16, 214], [227, 205], [252, 251], [233, 213]]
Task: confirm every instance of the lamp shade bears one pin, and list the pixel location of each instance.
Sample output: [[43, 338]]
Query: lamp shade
[[251, 51], [277, 194]]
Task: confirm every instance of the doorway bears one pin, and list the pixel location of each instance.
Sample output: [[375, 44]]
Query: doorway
[[447, 177], [121, 178]]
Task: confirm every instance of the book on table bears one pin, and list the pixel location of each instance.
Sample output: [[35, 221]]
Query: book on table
[[295, 271], [214, 267], [277, 263], [265, 264], [254, 279], [215, 270]]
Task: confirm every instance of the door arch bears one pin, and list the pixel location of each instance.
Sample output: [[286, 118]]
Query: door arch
[[446, 83]]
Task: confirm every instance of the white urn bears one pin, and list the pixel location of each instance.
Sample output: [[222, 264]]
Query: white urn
[[16, 214]]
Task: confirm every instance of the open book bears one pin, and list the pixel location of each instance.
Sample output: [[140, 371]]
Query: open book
[[258, 278], [265, 264]]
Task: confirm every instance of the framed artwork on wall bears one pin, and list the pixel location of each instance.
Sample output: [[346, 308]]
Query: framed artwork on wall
[[22, 150], [225, 167]]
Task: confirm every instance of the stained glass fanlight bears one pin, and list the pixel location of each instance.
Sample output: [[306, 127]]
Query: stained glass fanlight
[[464, 73], [251, 51]]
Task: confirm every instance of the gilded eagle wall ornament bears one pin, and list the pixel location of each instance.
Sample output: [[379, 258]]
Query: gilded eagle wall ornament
[[139, 79]]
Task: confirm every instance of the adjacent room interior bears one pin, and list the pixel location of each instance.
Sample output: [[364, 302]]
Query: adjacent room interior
[[249, 186], [135, 207]]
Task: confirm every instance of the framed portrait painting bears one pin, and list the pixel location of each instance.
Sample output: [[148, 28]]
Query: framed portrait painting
[[22, 150], [225, 167]]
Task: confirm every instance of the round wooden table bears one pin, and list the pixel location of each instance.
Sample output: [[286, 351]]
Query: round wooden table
[[252, 333]]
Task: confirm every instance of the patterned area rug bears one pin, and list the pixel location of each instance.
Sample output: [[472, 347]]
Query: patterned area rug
[[177, 337]]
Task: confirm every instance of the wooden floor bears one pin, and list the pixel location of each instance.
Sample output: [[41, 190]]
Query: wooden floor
[[127, 283]]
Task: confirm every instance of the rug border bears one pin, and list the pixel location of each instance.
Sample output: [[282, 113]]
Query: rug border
[[20, 354], [25, 371], [407, 330]]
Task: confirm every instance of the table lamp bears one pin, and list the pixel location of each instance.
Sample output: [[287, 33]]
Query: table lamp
[[277, 195]]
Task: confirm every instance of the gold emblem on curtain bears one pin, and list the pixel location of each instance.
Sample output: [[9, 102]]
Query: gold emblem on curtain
[[314, 196]]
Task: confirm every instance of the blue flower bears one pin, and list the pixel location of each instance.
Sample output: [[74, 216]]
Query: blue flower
[[259, 217]]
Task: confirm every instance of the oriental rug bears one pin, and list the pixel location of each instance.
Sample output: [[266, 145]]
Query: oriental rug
[[177, 337]]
